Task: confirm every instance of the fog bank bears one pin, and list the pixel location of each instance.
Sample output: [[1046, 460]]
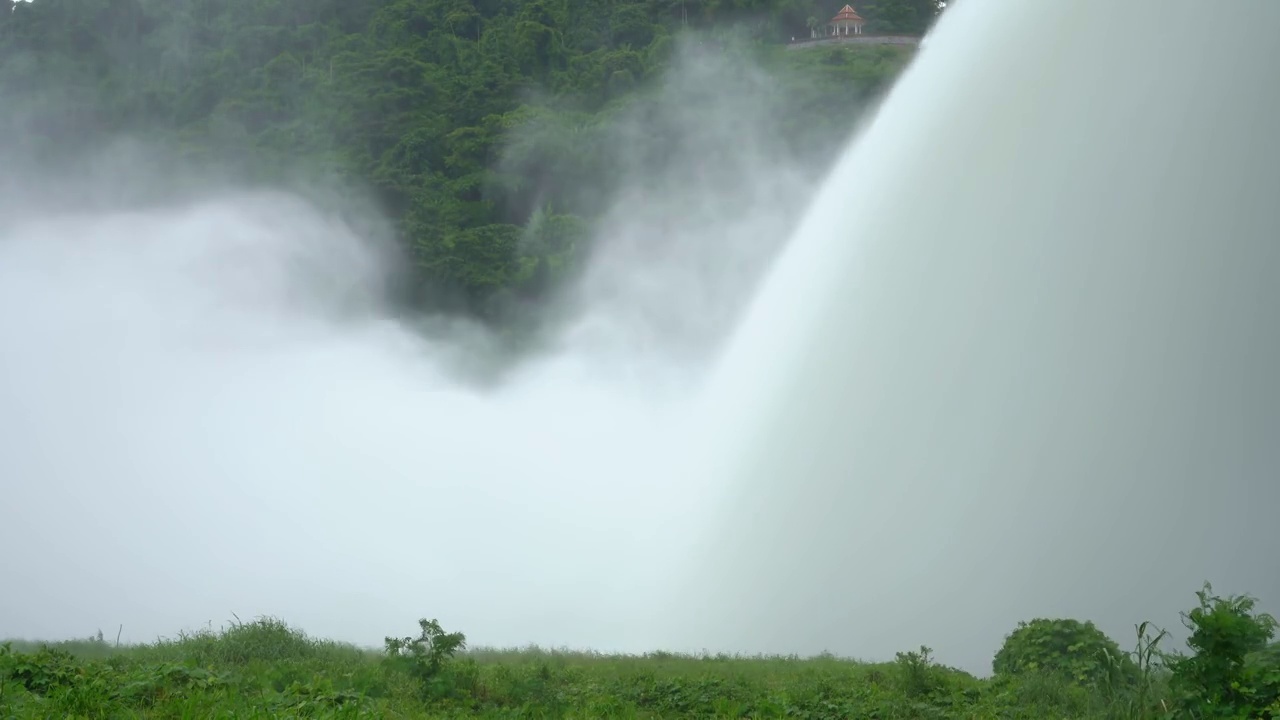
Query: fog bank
[[209, 404]]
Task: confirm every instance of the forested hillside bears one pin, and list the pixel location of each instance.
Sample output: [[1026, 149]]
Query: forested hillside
[[485, 128]]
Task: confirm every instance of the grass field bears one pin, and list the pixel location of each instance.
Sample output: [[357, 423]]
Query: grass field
[[265, 669]]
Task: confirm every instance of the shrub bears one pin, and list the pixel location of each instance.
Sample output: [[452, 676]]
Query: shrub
[[429, 660], [1233, 672], [918, 673], [1070, 649]]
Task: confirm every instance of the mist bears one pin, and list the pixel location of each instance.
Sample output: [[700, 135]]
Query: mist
[[211, 405]]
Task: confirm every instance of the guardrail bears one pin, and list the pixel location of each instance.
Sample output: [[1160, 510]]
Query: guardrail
[[854, 40]]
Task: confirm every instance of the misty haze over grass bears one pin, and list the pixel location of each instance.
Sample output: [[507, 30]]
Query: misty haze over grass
[[209, 405]]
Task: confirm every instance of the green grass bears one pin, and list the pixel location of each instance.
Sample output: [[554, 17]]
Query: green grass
[[1047, 669], [265, 669]]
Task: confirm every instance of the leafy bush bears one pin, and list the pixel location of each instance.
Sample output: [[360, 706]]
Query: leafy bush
[[1074, 650], [918, 673], [429, 659], [1233, 672]]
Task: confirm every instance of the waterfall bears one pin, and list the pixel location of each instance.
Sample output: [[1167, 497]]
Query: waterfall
[[1019, 359]]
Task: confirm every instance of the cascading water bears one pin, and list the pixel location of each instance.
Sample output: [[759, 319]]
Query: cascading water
[[1019, 359]]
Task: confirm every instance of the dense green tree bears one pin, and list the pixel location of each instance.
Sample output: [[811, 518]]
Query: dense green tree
[[911, 17]]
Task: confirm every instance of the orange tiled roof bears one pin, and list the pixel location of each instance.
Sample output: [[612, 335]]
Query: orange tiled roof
[[847, 14]]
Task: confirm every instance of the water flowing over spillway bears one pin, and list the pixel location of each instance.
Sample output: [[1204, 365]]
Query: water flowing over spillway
[[1020, 358]]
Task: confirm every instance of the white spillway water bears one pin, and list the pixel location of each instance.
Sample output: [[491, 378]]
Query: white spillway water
[[1019, 359]]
